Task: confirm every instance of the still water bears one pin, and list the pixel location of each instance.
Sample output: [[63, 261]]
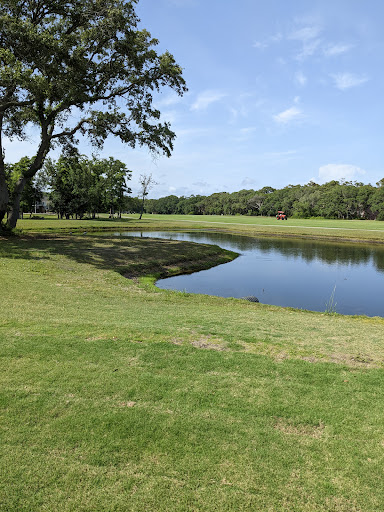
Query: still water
[[289, 272]]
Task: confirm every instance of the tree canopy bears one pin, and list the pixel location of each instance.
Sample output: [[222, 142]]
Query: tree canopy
[[340, 200], [80, 185], [79, 67]]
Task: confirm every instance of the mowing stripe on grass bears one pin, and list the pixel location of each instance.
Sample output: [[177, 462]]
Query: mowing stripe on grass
[[270, 225]]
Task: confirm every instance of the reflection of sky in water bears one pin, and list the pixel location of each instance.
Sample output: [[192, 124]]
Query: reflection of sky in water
[[286, 272]]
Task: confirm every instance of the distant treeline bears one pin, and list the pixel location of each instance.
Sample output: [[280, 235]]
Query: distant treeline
[[333, 200], [76, 185]]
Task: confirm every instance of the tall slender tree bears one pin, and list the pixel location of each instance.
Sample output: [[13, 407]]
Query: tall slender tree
[[146, 184]]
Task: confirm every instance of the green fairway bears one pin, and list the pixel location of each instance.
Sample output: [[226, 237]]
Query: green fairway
[[267, 226], [116, 396]]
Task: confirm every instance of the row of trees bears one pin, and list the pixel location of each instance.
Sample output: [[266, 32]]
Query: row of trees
[[80, 185], [76, 185], [334, 200]]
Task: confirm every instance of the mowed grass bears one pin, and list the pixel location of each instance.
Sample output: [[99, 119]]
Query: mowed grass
[[116, 396], [354, 230]]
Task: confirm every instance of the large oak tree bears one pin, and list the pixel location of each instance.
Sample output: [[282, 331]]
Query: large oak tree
[[79, 67]]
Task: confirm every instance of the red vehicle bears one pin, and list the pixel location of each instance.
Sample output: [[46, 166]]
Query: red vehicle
[[281, 216]]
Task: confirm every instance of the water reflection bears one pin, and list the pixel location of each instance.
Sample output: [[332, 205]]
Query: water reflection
[[289, 272]]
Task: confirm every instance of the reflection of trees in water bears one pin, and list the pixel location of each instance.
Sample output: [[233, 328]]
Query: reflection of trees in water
[[378, 260], [308, 250], [323, 251]]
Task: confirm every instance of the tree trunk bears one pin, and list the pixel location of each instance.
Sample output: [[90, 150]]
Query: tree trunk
[[4, 196], [15, 210], [142, 208], [33, 168]]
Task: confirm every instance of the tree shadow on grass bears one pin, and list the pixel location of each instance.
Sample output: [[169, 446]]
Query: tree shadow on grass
[[18, 248], [129, 256]]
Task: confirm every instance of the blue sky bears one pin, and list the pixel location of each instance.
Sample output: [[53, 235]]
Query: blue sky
[[280, 92]]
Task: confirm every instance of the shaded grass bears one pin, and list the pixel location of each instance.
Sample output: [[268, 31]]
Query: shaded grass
[[118, 396]]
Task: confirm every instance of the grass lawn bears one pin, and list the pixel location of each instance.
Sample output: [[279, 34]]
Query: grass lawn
[[116, 396], [267, 226]]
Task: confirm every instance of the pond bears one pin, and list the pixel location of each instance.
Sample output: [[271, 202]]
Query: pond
[[306, 274]]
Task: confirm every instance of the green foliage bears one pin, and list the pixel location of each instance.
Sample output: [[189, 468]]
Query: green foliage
[[83, 57], [81, 185], [333, 200]]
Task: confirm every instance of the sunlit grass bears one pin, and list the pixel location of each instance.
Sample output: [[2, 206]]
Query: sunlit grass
[[266, 226], [115, 395]]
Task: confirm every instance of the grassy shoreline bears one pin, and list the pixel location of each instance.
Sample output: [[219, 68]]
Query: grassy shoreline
[[116, 395]]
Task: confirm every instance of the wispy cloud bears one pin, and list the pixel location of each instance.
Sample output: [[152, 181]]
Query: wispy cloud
[[206, 98], [309, 48], [345, 81], [289, 115], [333, 50], [265, 43], [301, 79], [167, 101], [305, 34], [309, 38], [339, 172], [244, 104]]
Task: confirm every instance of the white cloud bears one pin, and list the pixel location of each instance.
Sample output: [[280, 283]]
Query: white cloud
[[268, 41], [348, 80], [301, 79], [345, 81], [167, 101], [260, 45], [308, 49], [339, 172], [289, 115], [308, 36], [305, 33], [332, 50], [169, 115], [205, 99]]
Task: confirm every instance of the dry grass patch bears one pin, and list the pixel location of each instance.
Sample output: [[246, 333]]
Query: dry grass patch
[[210, 343], [299, 429]]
